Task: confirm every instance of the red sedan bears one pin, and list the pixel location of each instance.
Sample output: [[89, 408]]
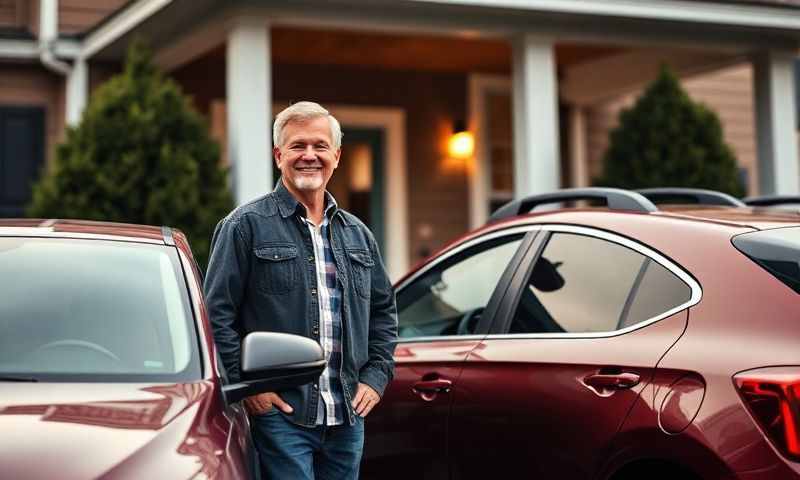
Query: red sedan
[[624, 342], [107, 364]]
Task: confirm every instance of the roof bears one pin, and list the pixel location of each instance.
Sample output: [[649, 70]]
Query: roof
[[753, 217], [30, 227]]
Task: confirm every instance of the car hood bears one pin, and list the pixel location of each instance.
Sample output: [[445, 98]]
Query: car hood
[[68, 430]]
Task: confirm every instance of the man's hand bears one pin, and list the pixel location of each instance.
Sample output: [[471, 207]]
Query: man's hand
[[366, 398], [264, 402]]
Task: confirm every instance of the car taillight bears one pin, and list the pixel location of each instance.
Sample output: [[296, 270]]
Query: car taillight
[[773, 397]]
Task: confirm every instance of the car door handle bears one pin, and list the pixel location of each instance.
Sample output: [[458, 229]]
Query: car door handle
[[616, 381], [439, 385]]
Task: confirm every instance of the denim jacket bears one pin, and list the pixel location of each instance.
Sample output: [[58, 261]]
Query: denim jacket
[[262, 277]]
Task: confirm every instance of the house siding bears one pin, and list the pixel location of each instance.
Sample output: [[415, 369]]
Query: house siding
[[76, 16], [728, 92]]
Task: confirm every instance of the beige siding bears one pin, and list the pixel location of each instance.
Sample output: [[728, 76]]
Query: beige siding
[[728, 92], [75, 16], [31, 85]]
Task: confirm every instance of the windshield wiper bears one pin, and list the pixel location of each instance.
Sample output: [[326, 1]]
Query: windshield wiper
[[17, 378]]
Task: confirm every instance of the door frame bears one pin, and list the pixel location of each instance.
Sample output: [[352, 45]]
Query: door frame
[[392, 121]]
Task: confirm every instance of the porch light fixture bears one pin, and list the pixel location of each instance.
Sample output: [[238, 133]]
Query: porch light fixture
[[461, 144]]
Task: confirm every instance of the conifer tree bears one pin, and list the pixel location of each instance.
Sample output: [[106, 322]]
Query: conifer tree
[[140, 154], [668, 140]]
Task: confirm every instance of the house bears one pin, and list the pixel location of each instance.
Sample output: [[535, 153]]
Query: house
[[537, 82]]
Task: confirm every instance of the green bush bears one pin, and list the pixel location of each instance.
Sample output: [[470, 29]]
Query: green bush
[[667, 140], [140, 154]]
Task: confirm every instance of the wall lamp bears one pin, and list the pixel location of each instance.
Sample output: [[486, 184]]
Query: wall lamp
[[461, 144]]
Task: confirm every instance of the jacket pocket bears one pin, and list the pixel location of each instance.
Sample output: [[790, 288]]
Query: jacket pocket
[[276, 268], [361, 263]]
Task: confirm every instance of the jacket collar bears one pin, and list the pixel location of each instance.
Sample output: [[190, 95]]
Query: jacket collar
[[288, 205]]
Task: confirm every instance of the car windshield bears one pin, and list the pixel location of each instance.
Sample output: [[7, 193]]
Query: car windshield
[[94, 310]]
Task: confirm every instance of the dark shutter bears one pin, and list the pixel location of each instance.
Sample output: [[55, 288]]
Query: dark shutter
[[21, 156], [797, 89]]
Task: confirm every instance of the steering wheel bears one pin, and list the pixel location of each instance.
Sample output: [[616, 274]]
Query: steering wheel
[[71, 342], [469, 321]]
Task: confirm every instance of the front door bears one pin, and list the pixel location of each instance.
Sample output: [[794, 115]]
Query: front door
[[545, 393], [21, 156], [443, 311], [357, 184]]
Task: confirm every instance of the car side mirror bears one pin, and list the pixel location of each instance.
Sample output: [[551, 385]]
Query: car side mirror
[[275, 361]]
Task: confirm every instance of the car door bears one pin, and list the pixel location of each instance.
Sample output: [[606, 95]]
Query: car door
[[444, 311], [575, 340]]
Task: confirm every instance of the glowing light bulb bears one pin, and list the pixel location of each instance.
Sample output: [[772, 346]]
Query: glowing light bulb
[[461, 145]]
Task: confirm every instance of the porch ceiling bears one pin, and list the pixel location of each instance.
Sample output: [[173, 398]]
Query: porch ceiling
[[410, 25], [409, 52]]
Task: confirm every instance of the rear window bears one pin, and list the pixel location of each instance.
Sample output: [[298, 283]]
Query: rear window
[[777, 251]]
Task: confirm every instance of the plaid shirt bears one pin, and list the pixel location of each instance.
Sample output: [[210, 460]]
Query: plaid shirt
[[330, 409]]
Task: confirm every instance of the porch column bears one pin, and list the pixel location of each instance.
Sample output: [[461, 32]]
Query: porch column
[[536, 148], [778, 169], [579, 157], [77, 91], [249, 109]]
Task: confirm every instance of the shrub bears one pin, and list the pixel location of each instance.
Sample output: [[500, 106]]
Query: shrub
[[140, 154], [667, 140]]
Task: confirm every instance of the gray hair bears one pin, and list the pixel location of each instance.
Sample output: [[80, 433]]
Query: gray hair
[[304, 111]]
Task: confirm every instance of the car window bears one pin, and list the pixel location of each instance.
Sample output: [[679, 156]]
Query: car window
[[658, 291], [583, 284], [450, 298], [96, 309], [776, 251]]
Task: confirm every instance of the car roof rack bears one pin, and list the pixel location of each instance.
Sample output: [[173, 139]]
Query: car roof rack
[[696, 195], [771, 200], [615, 198]]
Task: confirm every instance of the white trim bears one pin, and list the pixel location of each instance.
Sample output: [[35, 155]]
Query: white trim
[[774, 93], [77, 89], [395, 196], [665, 10], [19, 49], [248, 86], [480, 178], [121, 24], [537, 158], [29, 49]]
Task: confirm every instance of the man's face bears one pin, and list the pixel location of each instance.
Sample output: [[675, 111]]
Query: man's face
[[307, 158]]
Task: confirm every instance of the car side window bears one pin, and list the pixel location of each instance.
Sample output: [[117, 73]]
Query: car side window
[[583, 284], [449, 298]]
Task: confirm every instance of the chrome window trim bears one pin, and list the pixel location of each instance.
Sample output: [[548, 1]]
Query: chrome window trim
[[694, 299], [468, 244], [455, 251]]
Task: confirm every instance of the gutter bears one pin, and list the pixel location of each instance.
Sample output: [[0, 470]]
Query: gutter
[[48, 34]]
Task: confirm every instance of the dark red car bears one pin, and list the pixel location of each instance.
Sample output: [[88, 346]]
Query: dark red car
[[107, 363], [624, 342]]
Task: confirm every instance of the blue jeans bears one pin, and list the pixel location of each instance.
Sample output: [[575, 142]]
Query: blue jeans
[[290, 451]]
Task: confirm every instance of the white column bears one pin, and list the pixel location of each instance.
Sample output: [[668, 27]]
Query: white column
[[535, 93], [77, 91], [249, 97], [776, 121], [579, 157]]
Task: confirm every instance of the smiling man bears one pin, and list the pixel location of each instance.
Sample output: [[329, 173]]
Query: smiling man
[[292, 262]]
